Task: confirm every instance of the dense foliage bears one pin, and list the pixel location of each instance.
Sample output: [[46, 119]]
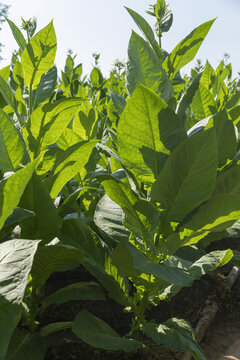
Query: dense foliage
[[130, 176]]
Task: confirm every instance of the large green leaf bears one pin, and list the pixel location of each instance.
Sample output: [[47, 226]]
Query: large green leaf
[[26, 346], [142, 151], [48, 121], [84, 124], [75, 232], [78, 291], [226, 136], [147, 31], [12, 188], [144, 67], [108, 216], [218, 214], [97, 333], [46, 87], [16, 257], [189, 175], [8, 94], [68, 138], [70, 163], [186, 50], [132, 262], [196, 269], [18, 36], [12, 147], [187, 98], [38, 56], [174, 333], [46, 224], [203, 104], [141, 217], [228, 182], [51, 258]]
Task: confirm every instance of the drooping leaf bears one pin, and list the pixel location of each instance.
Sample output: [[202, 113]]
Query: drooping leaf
[[26, 346], [108, 217], [77, 291], [141, 217], [96, 260], [97, 333], [54, 327], [16, 257], [12, 147], [186, 50], [38, 56], [218, 214], [174, 333], [51, 258], [144, 67], [188, 177]]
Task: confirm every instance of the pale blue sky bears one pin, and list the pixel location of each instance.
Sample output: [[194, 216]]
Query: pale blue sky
[[104, 26]]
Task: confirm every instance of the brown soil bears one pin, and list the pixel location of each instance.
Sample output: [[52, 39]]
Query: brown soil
[[188, 305]]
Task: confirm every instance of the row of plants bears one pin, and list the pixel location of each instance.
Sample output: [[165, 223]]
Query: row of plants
[[131, 176]]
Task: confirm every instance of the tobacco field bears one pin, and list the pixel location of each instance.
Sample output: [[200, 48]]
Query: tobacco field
[[112, 193]]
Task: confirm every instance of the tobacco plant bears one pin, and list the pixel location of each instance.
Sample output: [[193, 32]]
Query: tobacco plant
[[126, 178]]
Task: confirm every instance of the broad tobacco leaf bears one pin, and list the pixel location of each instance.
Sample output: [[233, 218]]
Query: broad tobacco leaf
[[97, 333], [12, 188], [38, 56], [16, 258], [144, 67], [12, 147], [188, 177], [186, 50]]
